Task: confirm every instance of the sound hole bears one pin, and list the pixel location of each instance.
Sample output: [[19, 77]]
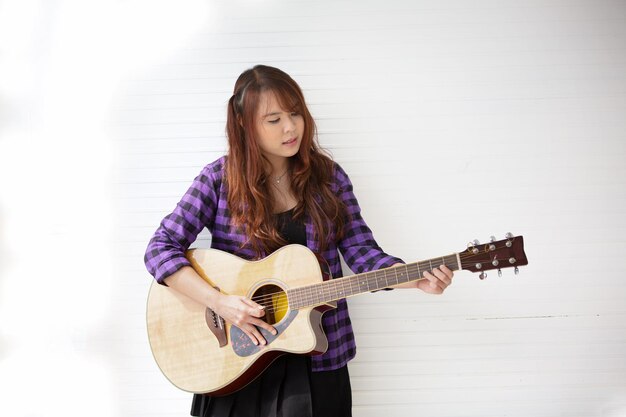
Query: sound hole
[[274, 299]]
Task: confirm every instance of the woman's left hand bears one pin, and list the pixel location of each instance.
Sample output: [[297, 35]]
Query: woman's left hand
[[437, 281]]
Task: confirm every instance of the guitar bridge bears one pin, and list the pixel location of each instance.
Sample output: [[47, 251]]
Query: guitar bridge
[[217, 325]]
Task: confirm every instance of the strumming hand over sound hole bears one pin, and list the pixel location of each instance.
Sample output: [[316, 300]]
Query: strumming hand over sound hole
[[274, 300]]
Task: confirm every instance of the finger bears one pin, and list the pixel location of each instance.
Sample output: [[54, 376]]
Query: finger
[[446, 269], [247, 330], [255, 310], [442, 276], [427, 287], [433, 280], [252, 303], [449, 273], [258, 337], [439, 280], [264, 325]]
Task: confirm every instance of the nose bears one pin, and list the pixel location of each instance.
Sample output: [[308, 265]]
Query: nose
[[290, 124]]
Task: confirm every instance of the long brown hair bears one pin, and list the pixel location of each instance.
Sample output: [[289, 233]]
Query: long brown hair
[[249, 197]]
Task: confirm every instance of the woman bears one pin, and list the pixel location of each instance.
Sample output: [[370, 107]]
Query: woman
[[275, 187]]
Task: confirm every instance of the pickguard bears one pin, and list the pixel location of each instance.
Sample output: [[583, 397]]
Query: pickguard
[[243, 346]]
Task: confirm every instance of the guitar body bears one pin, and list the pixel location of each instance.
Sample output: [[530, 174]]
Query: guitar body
[[179, 329]]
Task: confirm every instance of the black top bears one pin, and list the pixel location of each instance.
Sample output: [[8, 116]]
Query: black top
[[293, 231]]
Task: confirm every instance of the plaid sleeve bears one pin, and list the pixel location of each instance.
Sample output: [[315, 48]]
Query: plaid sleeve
[[165, 253], [358, 247]]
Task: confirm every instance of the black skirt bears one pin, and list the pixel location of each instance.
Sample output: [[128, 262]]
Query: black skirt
[[287, 388]]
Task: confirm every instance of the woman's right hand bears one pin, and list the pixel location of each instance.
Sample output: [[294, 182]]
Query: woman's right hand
[[245, 314], [237, 310]]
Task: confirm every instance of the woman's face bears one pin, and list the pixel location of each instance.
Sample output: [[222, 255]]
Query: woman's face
[[279, 131]]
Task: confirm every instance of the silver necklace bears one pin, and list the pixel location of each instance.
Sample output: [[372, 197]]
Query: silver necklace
[[279, 178]]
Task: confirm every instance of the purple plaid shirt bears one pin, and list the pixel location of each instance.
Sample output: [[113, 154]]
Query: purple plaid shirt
[[204, 205]]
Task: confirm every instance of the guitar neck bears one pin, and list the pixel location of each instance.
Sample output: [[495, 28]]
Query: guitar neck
[[336, 289]]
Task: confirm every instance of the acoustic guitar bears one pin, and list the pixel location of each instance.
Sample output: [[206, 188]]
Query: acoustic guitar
[[199, 352]]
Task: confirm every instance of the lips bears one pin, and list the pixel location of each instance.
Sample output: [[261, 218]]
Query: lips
[[290, 141]]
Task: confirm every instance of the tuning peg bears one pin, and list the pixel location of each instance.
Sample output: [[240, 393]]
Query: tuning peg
[[492, 239], [509, 235], [499, 272], [473, 248], [482, 275], [476, 242], [516, 270]]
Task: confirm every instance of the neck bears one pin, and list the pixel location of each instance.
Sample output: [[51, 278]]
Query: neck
[[277, 169], [338, 288]]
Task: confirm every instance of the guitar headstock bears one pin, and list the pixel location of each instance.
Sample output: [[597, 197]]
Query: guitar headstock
[[506, 253]]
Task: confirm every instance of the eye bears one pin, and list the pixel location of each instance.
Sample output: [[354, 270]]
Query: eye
[[274, 121], [295, 113]]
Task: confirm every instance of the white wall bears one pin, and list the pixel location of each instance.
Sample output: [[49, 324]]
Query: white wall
[[456, 120]]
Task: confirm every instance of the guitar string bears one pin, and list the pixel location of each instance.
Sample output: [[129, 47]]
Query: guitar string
[[336, 282], [309, 300], [269, 297], [410, 268]]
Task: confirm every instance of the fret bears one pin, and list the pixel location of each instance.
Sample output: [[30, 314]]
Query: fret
[[303, 297], [332, 290], [342, 293], [350, 281], [371, 277], [337, 290], [348, 285], [372, 281], [363, 282], [310, 295], [292, 299], [395, 273], [410, 272], [403, 275], [380, 275], [325, 290]]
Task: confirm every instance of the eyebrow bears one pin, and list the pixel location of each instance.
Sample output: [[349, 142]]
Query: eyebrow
[[276, 113]]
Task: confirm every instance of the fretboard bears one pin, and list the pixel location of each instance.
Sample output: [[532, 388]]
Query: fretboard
[[336, 289]]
